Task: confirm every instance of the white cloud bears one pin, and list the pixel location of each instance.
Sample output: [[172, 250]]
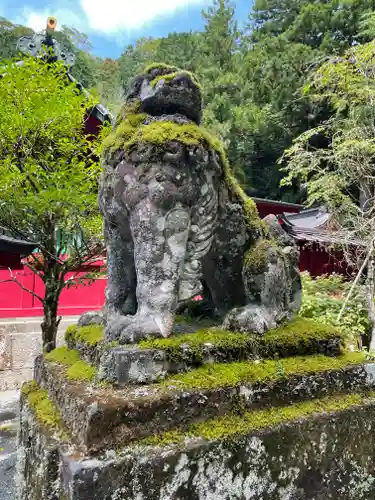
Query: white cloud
[[114, 15], [37, 20]]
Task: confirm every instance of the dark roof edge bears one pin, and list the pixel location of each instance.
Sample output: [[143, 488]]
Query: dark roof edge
[[276, 202]]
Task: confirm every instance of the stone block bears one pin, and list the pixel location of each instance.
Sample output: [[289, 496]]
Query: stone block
[[322, 456], [103, 417], [123, 366]]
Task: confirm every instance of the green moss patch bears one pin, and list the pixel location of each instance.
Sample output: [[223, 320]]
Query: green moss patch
[[91, 335], [63, 356], [300, 336], [232, 424], [124, 131], [76, 368], [217, 375], [256, 258], [71, 332], [161, 66], [171, 76], [45, 411], [81, 371]]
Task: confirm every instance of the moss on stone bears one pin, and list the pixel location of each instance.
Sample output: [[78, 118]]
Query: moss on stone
[[63, 356], [124, 131], [256, 258], [160, 132], [45, 411], [300, 336], [70, 333], [232, 374], [233, 424], [171, 76], [91, 334], [81, 371], [161, 66]]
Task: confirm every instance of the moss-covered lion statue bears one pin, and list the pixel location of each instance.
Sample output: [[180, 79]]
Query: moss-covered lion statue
[[177, 224]]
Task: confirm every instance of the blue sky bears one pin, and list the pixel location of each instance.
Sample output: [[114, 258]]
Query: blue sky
[[113, 24]]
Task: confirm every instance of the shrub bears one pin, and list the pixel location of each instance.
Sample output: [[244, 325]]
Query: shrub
[[323, 298]]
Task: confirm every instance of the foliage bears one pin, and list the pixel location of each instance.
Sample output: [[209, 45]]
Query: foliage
[[49, 171], [251, 78], [323, 298]]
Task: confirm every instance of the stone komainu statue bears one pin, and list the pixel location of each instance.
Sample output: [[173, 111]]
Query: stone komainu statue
[[176, 222]]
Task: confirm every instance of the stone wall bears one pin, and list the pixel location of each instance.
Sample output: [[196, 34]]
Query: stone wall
[[20, 343]]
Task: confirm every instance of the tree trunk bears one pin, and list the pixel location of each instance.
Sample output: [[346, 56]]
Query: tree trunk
[[370, 299], [50, 321]]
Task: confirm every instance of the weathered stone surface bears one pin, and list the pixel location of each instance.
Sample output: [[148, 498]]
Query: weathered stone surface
[[125, 366], [38, 463], [329, 456], [99, 418]]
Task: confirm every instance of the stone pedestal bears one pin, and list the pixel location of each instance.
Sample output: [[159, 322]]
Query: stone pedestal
[[295, 427]]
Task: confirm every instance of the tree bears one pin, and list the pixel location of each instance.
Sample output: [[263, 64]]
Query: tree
[[336, 160], [329, 25], [48, 170], [9, 36]]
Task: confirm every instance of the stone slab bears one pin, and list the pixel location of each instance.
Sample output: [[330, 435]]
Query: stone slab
[[103, 417], [329, 456]]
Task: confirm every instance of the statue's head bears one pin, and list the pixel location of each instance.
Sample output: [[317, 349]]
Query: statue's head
[[167, 90]]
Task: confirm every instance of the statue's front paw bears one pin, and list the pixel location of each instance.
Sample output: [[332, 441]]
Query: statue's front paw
[[250, 319], [116, 325]]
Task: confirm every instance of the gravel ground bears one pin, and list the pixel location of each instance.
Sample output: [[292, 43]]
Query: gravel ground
[[9, 411]]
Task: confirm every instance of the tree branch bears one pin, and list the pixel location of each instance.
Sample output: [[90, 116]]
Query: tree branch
[[13, 279]]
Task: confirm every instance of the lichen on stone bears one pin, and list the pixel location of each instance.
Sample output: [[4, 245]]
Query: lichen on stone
[[233, 424], [232, 374]]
